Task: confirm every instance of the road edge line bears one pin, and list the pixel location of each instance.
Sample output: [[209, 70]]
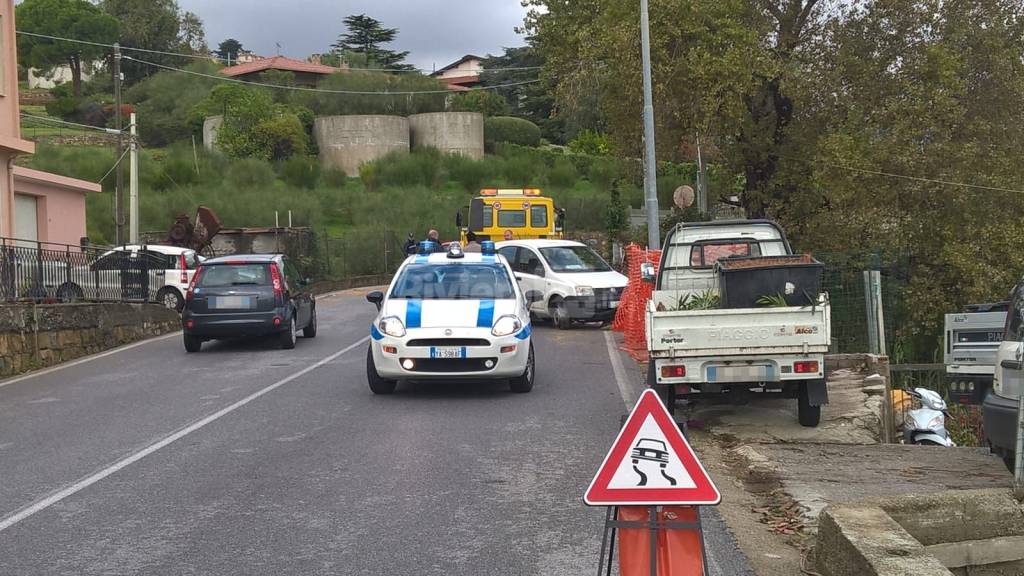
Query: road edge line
[[84, 483], [621, 379]]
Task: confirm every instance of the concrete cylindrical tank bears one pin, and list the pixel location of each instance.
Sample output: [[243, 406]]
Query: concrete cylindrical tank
[[346, 142], [451, 132], [211, 127]]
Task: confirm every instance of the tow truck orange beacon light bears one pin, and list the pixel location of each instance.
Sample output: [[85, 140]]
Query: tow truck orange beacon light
[[489, 192], [531, 191]]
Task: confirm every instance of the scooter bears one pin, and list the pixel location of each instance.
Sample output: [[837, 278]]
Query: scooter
[[927, 424]]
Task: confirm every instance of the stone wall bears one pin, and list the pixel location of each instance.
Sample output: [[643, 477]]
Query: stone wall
[[36, 336]]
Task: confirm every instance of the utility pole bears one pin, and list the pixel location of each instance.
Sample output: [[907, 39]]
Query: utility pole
[[702, 182], [133, 182], [650, 164], [119, 180]]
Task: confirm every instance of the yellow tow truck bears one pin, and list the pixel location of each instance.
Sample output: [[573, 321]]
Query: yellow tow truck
[[511, 214]]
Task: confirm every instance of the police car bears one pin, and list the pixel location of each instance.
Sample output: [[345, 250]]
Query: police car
[[451, 315]]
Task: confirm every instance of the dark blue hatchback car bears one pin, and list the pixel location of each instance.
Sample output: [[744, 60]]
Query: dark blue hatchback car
[[251, 295]]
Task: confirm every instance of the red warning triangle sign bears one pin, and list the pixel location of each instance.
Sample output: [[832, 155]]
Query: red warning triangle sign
[[651, 463]]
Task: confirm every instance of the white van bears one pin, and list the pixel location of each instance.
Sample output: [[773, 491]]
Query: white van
[[578, 285], [999, 409]]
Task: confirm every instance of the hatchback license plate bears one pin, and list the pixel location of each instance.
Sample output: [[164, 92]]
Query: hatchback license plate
[[232, 302], [448, 352]]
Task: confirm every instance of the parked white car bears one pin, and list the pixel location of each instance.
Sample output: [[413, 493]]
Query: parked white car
[[171, 269], [576, 282]]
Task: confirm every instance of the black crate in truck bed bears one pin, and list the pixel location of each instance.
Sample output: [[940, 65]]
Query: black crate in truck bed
[[742, 282]]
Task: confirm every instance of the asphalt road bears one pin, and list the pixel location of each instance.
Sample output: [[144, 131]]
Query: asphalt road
[[246, 459]]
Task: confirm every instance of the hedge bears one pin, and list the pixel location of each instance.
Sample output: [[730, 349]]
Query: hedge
[[509, 129]]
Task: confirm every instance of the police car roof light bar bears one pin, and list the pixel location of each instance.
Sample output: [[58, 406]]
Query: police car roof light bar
[[487, 248]]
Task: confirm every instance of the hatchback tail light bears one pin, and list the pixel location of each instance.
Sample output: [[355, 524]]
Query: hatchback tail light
[[808, 367], [192, 284], [184, 268], [275, 278]]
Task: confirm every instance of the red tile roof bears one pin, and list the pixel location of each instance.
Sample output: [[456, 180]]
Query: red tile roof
[[465, 58], [277, 63]]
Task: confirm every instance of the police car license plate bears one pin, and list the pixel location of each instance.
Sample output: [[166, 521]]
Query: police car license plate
[[448, 352]]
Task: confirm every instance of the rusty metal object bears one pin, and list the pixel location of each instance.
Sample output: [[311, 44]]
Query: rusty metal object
[[196, 235]]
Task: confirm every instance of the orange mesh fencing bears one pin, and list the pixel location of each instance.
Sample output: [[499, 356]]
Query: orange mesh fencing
[[630, 319]]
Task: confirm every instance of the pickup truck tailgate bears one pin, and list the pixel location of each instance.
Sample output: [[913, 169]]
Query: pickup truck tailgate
[[740, 331]]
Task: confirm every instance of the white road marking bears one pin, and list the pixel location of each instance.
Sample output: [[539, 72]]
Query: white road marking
[[85, 359], [628, 391], [84, 483]]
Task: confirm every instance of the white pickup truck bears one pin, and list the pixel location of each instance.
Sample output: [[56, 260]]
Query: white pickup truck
[[698, 351]]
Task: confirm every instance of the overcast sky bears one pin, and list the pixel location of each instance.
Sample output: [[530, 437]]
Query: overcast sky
[[435, 32]]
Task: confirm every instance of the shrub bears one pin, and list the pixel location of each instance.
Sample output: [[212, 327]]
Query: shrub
[[563, 174], [486, 102], [63, 107], [334, 178], [300, 172], [603, 172], [472, 174], [165, 102], [279, 137], [590, 142], [419, 168], [508, 129], [249, 173], [368, 174]]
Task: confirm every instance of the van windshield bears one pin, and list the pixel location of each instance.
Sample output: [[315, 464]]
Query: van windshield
[[453, 282]]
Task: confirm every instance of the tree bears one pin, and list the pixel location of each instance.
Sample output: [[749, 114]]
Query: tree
[[254, 126], [515, 71], [191, 35], [77, 19], [366, 36], [229, 50], [149, 24]]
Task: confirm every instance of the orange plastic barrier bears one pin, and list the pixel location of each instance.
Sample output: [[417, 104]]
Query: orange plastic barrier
[[630, 317], [680, 551]]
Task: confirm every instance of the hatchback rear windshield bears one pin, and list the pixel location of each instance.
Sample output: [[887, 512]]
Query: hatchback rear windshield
[[235, 275], [454, 282]]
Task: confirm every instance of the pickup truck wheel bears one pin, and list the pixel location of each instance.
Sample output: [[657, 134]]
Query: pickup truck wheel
[[377, 384], [809, 415], [524, 383]]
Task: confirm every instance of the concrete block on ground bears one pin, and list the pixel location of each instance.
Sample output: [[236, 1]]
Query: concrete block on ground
[[865, 541]]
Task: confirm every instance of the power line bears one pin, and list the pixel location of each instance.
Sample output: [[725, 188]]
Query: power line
[[914, 178], [219, 59], [323, 90], [102, 45], [66, 123]]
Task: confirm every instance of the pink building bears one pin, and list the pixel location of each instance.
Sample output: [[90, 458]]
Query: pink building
[[34, 205]]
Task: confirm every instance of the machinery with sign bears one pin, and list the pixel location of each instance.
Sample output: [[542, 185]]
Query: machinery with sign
[[511, 214]]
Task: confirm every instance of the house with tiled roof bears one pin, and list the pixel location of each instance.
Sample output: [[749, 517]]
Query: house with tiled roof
[[306, 73], [461, 75]]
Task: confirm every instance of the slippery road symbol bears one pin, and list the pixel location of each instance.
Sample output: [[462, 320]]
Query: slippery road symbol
[[650, 450]]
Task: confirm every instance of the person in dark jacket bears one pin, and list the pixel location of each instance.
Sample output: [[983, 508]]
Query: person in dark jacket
[[433, 236], [410, 245]]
